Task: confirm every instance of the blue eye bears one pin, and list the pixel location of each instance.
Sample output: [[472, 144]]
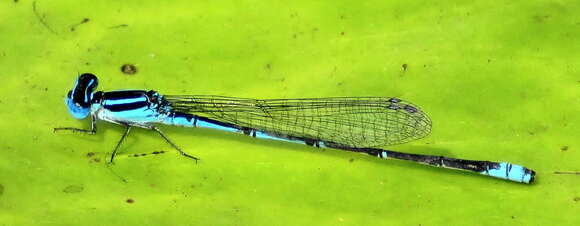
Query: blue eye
[[76, 110], [79, 98]]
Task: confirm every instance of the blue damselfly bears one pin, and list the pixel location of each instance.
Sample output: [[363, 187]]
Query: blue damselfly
[[358, 124]]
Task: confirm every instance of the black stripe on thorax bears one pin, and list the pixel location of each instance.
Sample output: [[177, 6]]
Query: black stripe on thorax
[[126, 106], [124, 94], [125, 100]]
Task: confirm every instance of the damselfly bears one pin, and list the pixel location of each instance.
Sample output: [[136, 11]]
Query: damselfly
[[358, 124]]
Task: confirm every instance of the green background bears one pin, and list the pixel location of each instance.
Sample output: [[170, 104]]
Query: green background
[[499, 79]]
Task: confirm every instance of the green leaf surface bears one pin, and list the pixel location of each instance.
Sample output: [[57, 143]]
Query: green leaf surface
[[499, 79]]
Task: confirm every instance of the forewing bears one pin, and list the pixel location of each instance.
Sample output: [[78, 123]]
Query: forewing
[[350, 121]]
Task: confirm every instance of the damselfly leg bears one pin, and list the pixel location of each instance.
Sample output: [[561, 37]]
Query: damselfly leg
[[127, 130], [174, 146], [92, 131]]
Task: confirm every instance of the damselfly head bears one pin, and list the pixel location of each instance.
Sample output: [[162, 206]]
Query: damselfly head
[[78, 100]]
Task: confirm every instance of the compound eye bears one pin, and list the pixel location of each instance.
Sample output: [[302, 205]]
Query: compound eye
[[83, 89]]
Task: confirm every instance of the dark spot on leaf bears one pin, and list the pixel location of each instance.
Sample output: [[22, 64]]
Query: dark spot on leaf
[[351, 160], [576, 199], [90, 154], [73, 189], [342, 33], [567, 172], [129, 69], [404, 67], [118, 26], [541, 19], [130, 201], [73, 27], [564, 148]]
